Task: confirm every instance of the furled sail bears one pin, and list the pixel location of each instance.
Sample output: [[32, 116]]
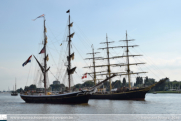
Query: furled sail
[[71, 36], [70, 57], [71, 71], [71, 24]]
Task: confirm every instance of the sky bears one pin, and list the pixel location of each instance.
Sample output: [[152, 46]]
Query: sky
[[155, 26]]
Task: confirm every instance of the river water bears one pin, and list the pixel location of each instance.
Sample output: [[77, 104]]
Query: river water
[[95, 109]]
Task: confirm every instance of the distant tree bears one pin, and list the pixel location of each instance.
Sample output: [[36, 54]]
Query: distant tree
[[146, 81], [124, 82], [141, 80], [32, 86], [88, 84], [19, 90], [116, 84]]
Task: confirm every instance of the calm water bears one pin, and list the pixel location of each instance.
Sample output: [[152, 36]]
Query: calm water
[[153, 104]]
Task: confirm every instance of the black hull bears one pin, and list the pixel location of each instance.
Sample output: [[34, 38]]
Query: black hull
[[130, 95], [69, 98], [14, 94], [137, 94]]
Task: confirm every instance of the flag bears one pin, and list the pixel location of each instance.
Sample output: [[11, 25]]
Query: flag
[[42, 50], [84, 76], [39, 17], [27, 61], [68, 11]]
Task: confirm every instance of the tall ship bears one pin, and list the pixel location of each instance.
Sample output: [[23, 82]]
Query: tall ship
[[14, 92], [124, 93], [68, 97]]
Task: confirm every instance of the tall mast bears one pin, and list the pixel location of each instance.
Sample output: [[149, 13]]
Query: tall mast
[[127, 58], [128, 72], [94, 66], [45, 64], [15, 84], [70, 56], [108, 63], [44, 68], [69, 64]]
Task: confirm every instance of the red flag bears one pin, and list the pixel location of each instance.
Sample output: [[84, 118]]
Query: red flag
[[84, 76], [42, 50]]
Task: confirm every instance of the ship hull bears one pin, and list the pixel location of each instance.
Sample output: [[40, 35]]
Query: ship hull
[[15, 94], [69, 98], [129, 95], [136, 94]]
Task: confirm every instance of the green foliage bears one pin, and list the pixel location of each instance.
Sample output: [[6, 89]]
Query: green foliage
[[19, 90], [32, 86], [88, 84], [78, 86], [116, 84], [57, 87]]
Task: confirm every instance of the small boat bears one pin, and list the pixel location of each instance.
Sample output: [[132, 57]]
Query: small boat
[[14, 92], [154, 92]]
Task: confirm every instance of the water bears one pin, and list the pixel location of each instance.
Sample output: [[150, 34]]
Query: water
[[153, 104]]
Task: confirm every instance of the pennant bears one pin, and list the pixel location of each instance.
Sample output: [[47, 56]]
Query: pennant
[[84, 76], [68, 11], [27, 61], [42, 50], [39, 17]]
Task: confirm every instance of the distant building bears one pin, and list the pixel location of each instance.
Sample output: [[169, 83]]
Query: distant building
[[56, 82]]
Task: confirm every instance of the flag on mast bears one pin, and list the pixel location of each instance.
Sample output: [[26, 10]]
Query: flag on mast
[[84, 76], [27, 61], [68, 11], [39, 17], [42, 50]]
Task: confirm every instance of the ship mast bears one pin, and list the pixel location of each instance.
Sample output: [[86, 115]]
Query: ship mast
[[93, 61], [127, 58], [15, 84], [108, 60], [45, 64], [44, 68], [70, 56], [128, 72], [69, 64]]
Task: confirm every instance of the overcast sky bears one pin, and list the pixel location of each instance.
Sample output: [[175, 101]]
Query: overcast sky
[[154, 24]]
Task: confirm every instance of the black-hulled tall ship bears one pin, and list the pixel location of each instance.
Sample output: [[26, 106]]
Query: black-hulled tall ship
[[14, 92], [66, 98], [124, 93]]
